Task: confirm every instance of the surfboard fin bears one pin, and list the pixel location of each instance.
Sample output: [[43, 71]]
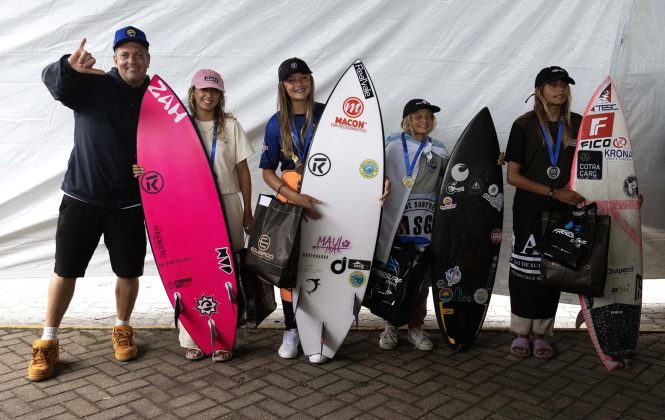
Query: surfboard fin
[[356, 308], [295, 300], [177, 308], [579, 320], [323, 337], [230, 292], [213, 335]]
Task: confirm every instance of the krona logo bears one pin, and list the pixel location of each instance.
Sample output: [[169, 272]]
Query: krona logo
[[353, 107]]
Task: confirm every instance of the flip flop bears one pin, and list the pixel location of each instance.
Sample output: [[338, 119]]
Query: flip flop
[[542, 349], [222, 356], [194, 353], [521, 347]]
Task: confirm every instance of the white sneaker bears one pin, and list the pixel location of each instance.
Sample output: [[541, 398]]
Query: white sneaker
[[420, 339], [388, 340], [290, 342], [318, 359]]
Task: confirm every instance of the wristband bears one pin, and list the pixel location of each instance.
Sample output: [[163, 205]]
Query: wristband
[[279, 188], [550, 193]]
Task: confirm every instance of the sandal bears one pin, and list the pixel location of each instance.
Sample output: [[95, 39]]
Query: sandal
[[542, 349], [194, 353], [521, 347], [222, 356]]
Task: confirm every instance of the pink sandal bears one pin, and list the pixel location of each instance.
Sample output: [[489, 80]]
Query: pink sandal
[[542, 349], [521, 347]]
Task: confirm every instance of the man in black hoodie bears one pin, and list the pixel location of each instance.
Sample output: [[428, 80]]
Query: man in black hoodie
[[100, 194]]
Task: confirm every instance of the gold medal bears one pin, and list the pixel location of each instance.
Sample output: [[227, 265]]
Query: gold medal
[[408, 181]]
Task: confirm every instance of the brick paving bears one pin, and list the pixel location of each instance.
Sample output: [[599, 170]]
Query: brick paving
[[363, 381]]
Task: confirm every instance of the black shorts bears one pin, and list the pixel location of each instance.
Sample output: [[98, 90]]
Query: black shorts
[[80, 226]]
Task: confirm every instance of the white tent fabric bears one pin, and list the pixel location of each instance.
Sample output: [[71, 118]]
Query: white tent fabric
[[459, 54]]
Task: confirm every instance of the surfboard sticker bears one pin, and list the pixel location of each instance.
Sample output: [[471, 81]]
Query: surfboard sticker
[[466, 236], [185, 221], [344, 171], [603, 171]]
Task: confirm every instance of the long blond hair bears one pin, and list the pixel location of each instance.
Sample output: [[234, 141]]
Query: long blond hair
[[544, 117], [285, 116], [220, 115]]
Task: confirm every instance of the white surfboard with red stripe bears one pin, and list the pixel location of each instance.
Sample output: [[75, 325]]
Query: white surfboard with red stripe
[[604, 172]]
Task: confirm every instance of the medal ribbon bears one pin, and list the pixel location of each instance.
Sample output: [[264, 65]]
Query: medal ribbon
[[554, 154], [302, 153], [213, 148], [412, 165]]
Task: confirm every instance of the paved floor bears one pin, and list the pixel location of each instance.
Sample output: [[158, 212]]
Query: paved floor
[[362, 382]]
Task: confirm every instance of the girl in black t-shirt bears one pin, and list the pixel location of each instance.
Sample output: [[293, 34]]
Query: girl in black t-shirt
[[539, 154]]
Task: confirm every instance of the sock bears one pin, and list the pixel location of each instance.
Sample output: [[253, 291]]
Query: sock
[[120, 322], [50, 333]]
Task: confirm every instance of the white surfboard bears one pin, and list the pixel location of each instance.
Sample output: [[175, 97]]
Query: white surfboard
[[345, 172], [603, 171]]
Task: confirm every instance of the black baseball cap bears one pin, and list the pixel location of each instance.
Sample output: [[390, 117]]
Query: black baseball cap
[[551, 74], [415, 104], [130, 34], [290, 66]]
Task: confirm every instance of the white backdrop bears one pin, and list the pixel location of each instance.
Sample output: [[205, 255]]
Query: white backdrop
[[459, 54]]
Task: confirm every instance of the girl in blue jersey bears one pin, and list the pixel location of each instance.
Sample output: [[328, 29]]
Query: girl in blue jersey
[[288, 135]]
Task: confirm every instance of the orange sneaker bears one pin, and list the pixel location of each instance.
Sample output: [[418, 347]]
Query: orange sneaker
[[45, 354], [123, 343]]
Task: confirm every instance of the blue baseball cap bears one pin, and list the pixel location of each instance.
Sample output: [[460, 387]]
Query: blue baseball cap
[[129, 34]]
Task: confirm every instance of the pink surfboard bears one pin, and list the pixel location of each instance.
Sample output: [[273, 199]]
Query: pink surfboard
[[185, 220]]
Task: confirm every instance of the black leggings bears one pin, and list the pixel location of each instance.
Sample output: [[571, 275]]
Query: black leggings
[[289, 316]]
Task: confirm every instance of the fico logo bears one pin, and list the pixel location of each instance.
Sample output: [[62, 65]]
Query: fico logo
[[599, 125], [353, 107]]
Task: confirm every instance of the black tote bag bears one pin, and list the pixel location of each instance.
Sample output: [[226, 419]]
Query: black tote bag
[[590, 277], [568, 237], [393, 288], [274, 242], [256, 297]]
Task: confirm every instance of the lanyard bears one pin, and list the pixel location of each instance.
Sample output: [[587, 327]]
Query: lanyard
[[554, 154], [302, 153], [213, 148], [412, 165]]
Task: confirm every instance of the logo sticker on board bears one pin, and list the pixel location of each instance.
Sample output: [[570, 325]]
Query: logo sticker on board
[[206, 305], [224, 260], [446, 294], [152, 182], [357, 279], [460, 172], [369, 168], [315, 285], [480, 296], [597, 126], [319, 164], [353, 107], [630, 186], [453, 276], [590, 165]]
